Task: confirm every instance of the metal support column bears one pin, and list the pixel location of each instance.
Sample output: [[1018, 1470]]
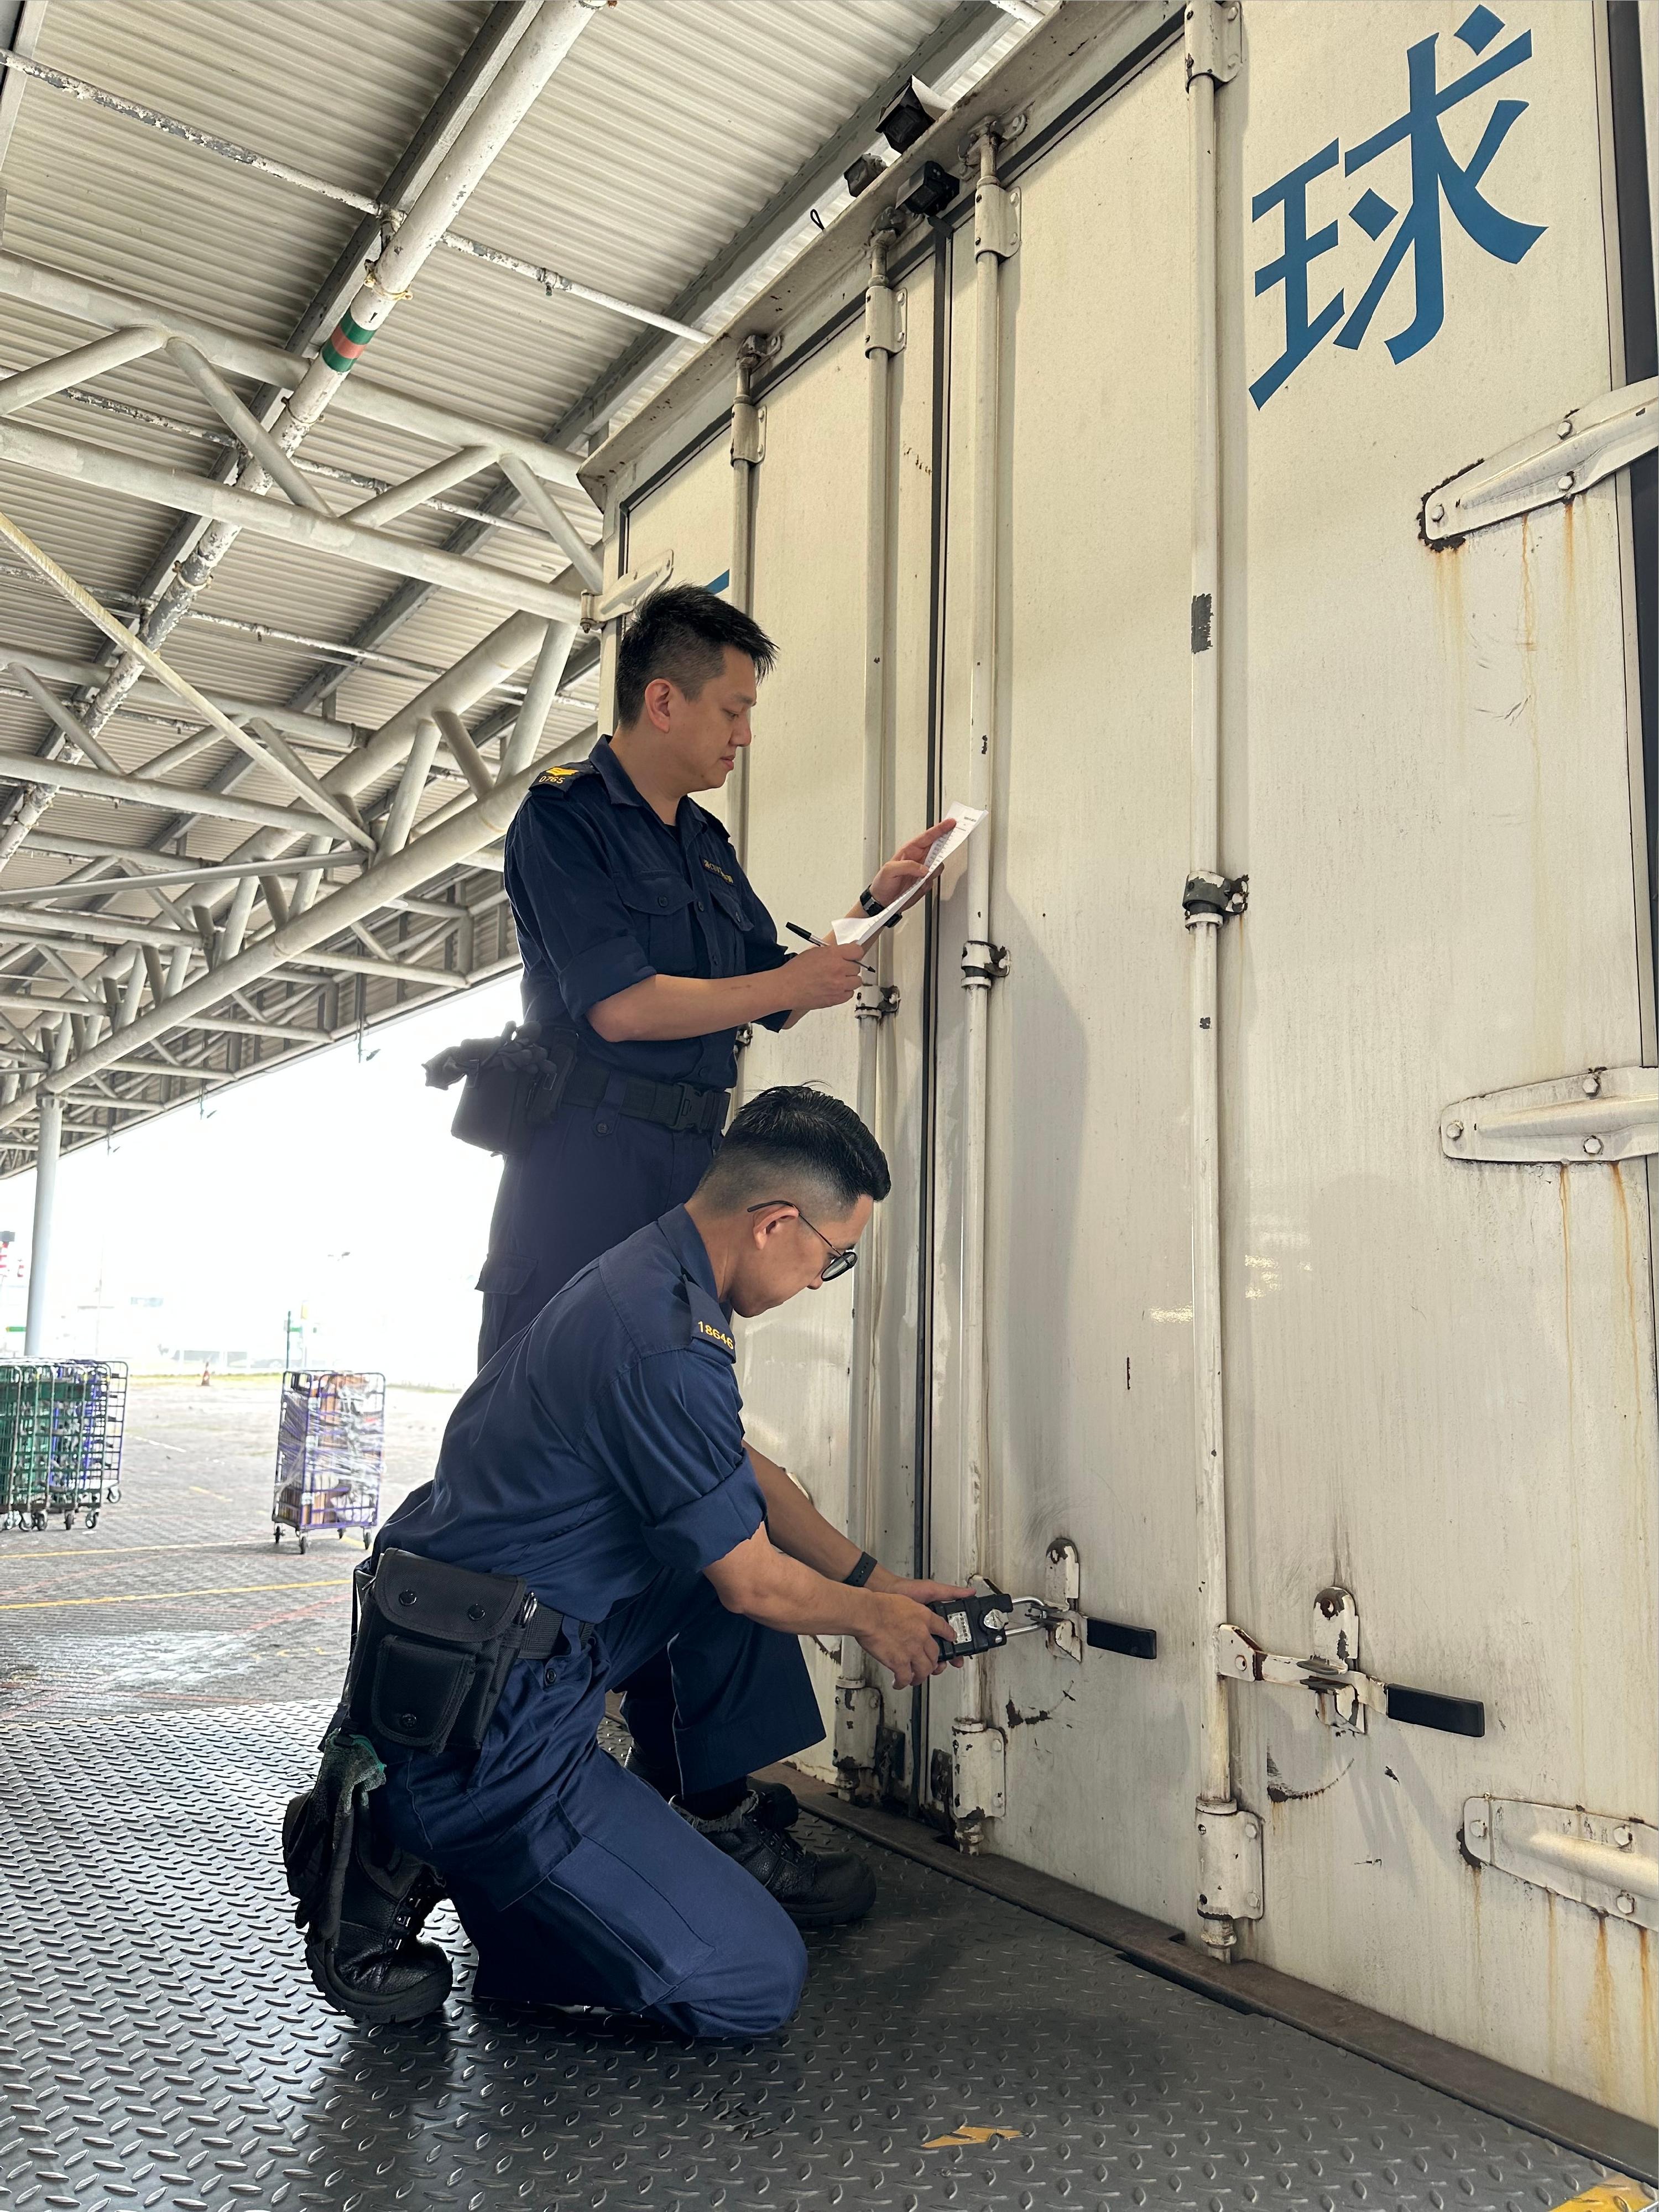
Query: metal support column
[[46, 1197]]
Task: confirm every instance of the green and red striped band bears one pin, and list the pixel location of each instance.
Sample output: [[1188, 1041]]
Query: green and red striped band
[[345, 344]]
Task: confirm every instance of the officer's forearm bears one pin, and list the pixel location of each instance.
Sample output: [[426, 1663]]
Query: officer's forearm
[[766, 1585], [795, 1525], [667, 1006]]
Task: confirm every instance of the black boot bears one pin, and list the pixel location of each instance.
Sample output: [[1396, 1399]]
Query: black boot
[[377, 1969], [776, 1804], [816, 1890], [363, 1917]]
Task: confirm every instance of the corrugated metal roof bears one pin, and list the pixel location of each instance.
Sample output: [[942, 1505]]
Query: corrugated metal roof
[[668, 127]]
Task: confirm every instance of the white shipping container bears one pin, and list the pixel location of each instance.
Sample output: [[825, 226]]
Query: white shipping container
[[1418, 1367]]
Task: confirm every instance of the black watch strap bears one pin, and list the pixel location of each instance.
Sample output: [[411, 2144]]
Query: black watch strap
[[861, 1573], [869, 901]]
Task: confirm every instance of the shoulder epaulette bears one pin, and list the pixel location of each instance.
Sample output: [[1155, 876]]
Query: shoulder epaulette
[[560, 778]]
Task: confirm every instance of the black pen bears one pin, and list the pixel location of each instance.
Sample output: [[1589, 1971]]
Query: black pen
[[821, 941]]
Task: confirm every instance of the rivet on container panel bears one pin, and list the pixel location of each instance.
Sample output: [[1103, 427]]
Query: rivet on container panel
[[1591, 1087], [1625, 1903], [1453, 1130], [1623, 1838], [1438, 512], [1565, 483], [1477, 1830], [1563, 429], [1592, 1147]]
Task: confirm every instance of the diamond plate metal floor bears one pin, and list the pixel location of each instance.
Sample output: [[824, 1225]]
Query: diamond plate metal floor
[[161, 2046]]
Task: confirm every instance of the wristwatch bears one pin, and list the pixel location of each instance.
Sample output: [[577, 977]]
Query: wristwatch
[[869, 901], [861, 1573]]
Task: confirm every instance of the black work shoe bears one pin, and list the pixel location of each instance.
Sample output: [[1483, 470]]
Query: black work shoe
[[776, 1804], [815, 1889], [376, 1969]]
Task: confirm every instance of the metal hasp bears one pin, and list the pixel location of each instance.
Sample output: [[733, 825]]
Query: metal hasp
[[1215, 40], [1558, 462], [1597, 1859], [1230, 1875], [1062, 1597], [625, 594], [1331, 1672], [979, 1779], [1600, 1117]]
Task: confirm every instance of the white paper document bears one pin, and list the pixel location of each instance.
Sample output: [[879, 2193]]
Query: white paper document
[[863, 929]]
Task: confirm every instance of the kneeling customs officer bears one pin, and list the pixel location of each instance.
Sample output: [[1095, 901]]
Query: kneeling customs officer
[[595, 1505], [644, 952]]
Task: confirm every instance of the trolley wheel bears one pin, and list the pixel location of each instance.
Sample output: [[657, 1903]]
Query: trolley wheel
[[112, 1495], [302, 1548], [69, 1521], [91, 1520], [277, 1537], [37, 1519], [368, 1538]]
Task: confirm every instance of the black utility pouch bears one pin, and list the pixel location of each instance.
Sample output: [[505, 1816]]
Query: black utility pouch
[[514, 1083], [432, 1651]]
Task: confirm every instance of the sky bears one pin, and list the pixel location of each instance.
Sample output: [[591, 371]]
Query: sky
[[331, 1189]]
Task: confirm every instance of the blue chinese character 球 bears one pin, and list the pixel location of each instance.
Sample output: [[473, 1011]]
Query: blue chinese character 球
[[1434, 172]]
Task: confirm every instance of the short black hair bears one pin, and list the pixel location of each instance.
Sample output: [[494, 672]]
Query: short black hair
[[797, 1142], [682, 632]]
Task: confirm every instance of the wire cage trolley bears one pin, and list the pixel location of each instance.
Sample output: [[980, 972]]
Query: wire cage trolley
[[62, 1424], [331, 1448]]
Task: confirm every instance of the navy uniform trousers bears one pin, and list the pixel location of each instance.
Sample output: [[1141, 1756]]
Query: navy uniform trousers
[[588, 1179], [578, 1884]]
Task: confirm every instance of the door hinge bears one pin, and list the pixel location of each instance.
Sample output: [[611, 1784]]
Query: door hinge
[[1229, 1871], [1211, 897], [979, 1775], [876, 1002], [621, 598], [996, 219], [1215, 40], [858, 1725], [1600, 1116], [883, 320], [1331, 1672], [1597, 1859], [1557, 462], [982, 963]]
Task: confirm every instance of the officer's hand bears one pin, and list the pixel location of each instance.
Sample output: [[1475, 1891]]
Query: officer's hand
[[908, 865], [826, 976], [906, 1640]]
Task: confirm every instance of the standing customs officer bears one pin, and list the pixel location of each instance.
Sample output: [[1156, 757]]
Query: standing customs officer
[[595, 1505], [644, 952]]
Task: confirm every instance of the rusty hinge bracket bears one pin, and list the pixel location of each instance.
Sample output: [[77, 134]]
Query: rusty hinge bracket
[[1600, 1116], [1558, 462], [1211, 897], [1215, 40], [1598, 1859], [1331, 1671], [621, 598], [982, 963], [876, 1002]]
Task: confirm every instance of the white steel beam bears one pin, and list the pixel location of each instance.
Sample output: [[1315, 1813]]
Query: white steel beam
[[311, 729], [108, 471], [144, 791], [55, 290], [435, 849]]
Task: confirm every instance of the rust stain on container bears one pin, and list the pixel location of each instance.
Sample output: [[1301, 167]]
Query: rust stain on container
[[1599, 2040], [1649, 2053]]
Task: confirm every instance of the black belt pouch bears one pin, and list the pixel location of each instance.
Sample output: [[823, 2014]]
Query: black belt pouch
[[432, 1651]]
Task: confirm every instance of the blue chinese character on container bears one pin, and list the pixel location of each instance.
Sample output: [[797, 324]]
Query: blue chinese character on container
[[1436, 175]]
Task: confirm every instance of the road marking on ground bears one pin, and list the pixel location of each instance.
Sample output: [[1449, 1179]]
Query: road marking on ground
[[1616, 2194], [23, 1558], [963, 2136], [153, 1597]]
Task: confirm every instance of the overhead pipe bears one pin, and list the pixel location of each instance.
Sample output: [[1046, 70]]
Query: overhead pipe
[[882, 339], [1211, 897], [748, 446], [386, 280]]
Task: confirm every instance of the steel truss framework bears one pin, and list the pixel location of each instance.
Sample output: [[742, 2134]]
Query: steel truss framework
[[362, 875]]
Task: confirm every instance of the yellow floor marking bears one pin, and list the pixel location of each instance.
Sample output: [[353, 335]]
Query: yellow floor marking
[[197, 1491], [989, 2135], [1616, 2194], [95, 1551], [152, 1597]]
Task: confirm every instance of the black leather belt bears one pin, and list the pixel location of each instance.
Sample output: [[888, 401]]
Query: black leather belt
[[688, 1109]]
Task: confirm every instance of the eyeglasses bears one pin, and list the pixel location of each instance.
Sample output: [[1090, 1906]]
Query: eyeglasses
[[844, 1258]]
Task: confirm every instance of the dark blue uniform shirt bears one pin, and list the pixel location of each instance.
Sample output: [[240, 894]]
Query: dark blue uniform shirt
[[605, 895], [605, 1442]]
